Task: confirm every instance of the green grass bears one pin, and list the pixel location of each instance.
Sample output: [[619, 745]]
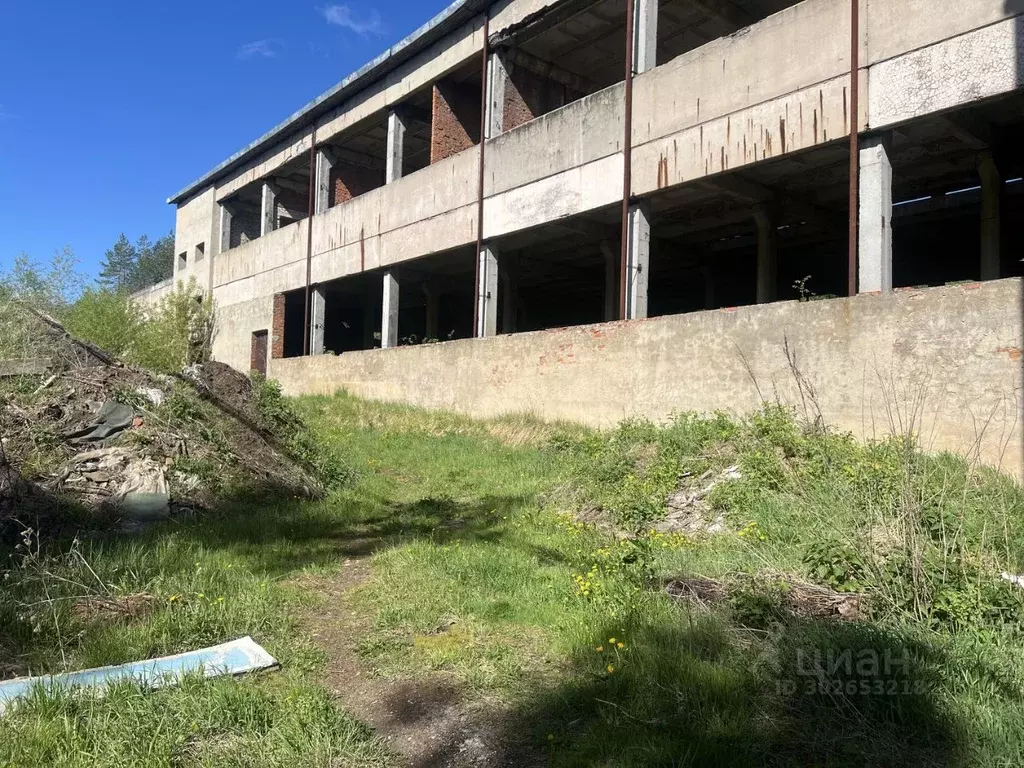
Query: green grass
[[480, 572]]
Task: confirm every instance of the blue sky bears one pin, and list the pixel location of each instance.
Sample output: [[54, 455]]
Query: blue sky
[[109, 107]]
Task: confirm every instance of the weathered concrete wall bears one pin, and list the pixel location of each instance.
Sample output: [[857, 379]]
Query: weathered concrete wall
[[438, 212], [948, 358], [982, 63], [270, 264], [235, 326], [894, 27], [576, 134], [779, 86], [150, 298], [197, 222], [561, 164]]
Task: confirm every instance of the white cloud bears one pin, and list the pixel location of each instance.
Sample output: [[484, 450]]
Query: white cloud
[[258, 49], [342, 16]]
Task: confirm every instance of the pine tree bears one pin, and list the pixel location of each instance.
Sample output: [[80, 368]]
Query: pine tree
[[155, 261], [120, 264]]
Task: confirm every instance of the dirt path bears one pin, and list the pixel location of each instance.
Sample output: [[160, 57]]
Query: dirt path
[[429, 721]]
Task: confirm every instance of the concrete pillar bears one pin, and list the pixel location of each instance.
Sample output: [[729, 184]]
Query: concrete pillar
[[497, 83], [268, 208], [611, 281], [645, 29], [389, 312], [509, 294], [638, 260], [225, 228], [433, 311], [767, 253], [324, 165], [487, 293], [991, 209], [397, 125], [318, 312], [874, 241]]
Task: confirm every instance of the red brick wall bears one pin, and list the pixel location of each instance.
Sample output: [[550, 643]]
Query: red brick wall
[[528, 95], [277, 328], [456, 120], [258, 352], [348, 181]]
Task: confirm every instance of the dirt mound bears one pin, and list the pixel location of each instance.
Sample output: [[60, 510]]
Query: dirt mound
[[793, 597], [129, 444]]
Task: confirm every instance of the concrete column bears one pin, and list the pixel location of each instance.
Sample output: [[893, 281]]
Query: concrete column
[[268, 208], [767, 253], [639, 260], [645, 29], [874, 241], [389, 312], [225, 228], [991, 208], [487, 293], [397, 125], [611, 281], [318, 312], [324, 165], [433, 311], [509, 294], [497, 82]]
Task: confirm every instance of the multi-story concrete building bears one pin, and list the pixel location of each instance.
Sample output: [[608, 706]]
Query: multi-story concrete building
[[503, 170]]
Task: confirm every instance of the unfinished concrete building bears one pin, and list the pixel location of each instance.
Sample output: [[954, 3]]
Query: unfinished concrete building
[[529, 165]]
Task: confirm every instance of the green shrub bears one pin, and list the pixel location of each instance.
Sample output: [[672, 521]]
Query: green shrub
[[279, 417], [110, 320], [178, 333]]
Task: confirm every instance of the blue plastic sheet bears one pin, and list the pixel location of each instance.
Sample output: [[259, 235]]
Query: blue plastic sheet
[[234, 658]]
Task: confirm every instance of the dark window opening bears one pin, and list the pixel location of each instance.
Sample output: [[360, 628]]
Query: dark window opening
[[294, 322]]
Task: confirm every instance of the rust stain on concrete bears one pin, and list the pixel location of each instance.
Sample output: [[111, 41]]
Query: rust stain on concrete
[[1014, 353]]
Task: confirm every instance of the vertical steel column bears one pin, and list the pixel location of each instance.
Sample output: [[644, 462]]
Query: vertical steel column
[[627, 156], [309, 241], [854, 142], [480, 177]]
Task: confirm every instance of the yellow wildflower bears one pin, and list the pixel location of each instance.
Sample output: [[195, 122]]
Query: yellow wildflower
[[600, 649], [611, 668]]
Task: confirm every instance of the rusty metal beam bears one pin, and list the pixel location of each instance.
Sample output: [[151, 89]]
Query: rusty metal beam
[[854, 144]]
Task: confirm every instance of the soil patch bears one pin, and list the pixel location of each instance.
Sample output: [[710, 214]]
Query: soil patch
[[430, 721]]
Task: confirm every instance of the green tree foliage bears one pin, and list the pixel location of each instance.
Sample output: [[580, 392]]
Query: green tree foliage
[[175, 333], [131, 266], [47, 285]]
